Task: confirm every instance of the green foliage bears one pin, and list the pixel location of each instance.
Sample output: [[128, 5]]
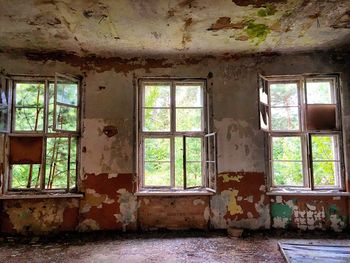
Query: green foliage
[[287, 152], [157, 150], [29, 116]]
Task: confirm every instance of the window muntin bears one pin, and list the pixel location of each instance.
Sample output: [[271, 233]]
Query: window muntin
[[178, 127], [58, 167], [305, 150]]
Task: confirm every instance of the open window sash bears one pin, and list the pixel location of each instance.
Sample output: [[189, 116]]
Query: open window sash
[[211, 166], [66, 103], [264, 108], [5, 103]]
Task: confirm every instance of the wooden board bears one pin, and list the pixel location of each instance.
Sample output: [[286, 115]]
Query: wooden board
[[307, 253]]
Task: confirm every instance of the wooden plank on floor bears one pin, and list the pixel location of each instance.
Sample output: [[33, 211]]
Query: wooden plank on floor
[[307, 253]]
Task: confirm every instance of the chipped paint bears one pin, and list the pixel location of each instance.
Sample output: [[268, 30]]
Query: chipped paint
[[128, 208], [38, 217], [88, 225], [226, 177]]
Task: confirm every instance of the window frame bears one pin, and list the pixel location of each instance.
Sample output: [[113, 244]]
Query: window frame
[[305, 134], [172, 134], [45, 134]]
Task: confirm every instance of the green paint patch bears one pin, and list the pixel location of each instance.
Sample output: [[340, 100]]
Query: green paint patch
[[268, 10], [257, 32], [281, 210]]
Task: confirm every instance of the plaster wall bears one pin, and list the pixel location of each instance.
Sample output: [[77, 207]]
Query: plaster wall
[[107, 176]]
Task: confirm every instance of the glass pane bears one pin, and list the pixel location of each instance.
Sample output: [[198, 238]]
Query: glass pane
[[188, 119], [325, 148], [156, 120], [29, 119], [30, 94], [56, 163], [25, 176], [179, 182], [325, 173], [3, 119], [189, 96], [320, 92], [157, 96], [66, 118], [286, 148], [284, 119], [284, 94], [194, 174], [67, 93], [157, 174], [157, 149], [73, 162], [193, 149], [288, 173]]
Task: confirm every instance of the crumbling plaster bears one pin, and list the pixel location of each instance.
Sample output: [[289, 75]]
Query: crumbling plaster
[[107, 165], [110, 28]]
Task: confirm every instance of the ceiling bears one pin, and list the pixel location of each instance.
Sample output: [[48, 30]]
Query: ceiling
[[154, 27]]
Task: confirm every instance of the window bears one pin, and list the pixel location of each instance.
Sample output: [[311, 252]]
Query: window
[[41, 128], [302, 118], [175, 150]]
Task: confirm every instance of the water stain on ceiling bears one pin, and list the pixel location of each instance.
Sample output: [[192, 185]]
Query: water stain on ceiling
[[135, 27]]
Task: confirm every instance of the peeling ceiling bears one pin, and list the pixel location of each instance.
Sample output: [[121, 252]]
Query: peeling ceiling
[[154, 27]]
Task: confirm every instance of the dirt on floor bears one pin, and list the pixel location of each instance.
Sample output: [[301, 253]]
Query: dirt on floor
[[186, 246]]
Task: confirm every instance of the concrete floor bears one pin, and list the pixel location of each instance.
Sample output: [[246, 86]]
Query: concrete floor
[[156, 247]]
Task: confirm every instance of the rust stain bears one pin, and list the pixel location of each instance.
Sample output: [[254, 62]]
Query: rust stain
[[110, 130], [185, 3], [225, 23], [186, 37], [99, 64], [257, 3], [343, 21]]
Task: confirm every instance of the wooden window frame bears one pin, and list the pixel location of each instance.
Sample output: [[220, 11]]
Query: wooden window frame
[[304, 133], [45, 134], [172, 134]]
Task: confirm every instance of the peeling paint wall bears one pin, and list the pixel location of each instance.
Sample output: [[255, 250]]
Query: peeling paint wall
[[309, 213], [107, 176]]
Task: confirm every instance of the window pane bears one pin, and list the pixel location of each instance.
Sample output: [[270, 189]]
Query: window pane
[[320, 92], [30, 94], [157, 149], [67, 93], [29, 119], [188, 119], [284, 94], [193, 149], [157, 174], [179, 182], [285, 118], [194, 174], [288, 173], [156, 120], [325, 147], [56, 163], [73, 162], [189, 96], [157, 96], [25, 176], [325, 173], [3, 119], [66, 118], [286, 148]]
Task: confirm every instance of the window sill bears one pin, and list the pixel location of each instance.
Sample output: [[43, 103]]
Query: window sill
[[11, 196], [174, 192], [310, 193]]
